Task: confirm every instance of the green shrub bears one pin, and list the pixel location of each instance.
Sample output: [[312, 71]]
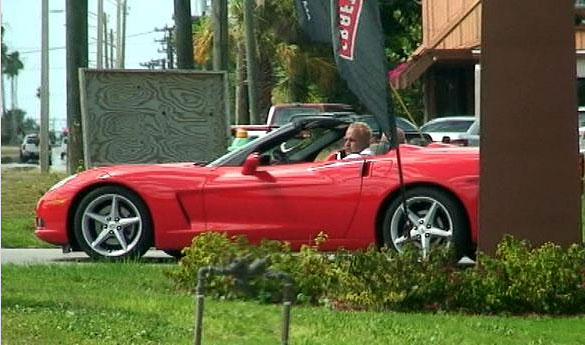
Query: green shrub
[[522, 279], [518, 279]]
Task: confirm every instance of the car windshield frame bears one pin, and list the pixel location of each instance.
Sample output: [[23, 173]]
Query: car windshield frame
[[286, 114]]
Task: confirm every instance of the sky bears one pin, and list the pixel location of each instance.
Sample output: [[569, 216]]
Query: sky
[[22, 21]]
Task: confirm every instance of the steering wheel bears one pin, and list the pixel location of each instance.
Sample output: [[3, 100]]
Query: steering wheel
[[285, 149]]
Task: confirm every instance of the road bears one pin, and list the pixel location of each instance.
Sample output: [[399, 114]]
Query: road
[[56, 256], [59, 165]]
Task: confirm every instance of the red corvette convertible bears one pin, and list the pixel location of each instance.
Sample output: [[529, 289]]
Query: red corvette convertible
[[277, 187]]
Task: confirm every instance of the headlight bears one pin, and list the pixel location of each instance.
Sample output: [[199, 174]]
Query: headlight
[[62, 182]]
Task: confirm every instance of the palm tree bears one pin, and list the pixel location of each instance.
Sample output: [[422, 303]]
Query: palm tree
[[11, 66], [290, 69]]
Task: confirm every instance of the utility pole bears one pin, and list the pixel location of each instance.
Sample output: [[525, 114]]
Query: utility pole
[[121, 33], [167, 44], [106, 55], [100, 34], [220, 35], [76, 37], [44, 137], [152, 64], [251, 62], [118, 33], [111, 48], [124, 15], [183, 34]]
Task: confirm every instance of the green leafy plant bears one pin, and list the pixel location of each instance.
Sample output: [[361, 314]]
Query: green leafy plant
[[518, 279]]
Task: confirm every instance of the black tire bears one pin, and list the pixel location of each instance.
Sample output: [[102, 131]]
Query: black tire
[[104, 233], [176, 253], [448, 226]]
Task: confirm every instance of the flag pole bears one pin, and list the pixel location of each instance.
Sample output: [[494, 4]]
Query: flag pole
[[389, 130]]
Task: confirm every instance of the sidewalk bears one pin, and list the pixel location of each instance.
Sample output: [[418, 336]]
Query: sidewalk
[[35, 256]]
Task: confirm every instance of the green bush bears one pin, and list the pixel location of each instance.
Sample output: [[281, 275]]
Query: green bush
[[522, 279], [518, 279]]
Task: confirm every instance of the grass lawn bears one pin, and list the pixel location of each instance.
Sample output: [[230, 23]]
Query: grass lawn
[[11, 152], [134, 303], [20, 192]]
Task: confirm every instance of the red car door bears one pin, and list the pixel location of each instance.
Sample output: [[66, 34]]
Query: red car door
[[291, 202]]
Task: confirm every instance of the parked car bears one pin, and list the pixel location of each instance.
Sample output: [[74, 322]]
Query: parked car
[[63, 147], [30, 148], [447, 129], [264, 192], [471, 137], [412, 134], [281, 114]]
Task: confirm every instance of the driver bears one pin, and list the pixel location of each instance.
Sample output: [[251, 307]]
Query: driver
[[356, 141]]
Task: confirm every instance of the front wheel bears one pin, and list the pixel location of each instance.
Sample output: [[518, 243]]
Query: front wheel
[[112, 222], [435, 219]]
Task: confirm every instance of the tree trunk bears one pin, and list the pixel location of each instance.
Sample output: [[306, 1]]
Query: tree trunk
[[3, 96], [241, 106], [14, 97], [77, 56], [183, 34], [266, 81]]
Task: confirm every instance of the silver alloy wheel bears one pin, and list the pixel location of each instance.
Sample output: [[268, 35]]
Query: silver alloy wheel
[[111, 225], [430, 224]]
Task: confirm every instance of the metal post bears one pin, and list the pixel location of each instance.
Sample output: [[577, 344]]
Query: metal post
[[242, 272], [199, 302], [286, 305], [44, 135]]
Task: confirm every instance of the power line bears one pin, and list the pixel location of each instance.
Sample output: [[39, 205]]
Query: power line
[[91, 43]]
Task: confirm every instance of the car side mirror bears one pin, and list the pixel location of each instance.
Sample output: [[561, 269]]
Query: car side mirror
[[251, 164]]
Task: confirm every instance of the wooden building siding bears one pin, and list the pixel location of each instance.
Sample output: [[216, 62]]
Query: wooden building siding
[[580, 37], [449, 24]]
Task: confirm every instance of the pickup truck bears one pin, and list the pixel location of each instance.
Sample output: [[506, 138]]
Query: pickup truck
[[281, 114]]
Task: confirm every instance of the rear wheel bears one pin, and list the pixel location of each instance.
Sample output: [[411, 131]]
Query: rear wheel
[[112, 222], [434, 219]]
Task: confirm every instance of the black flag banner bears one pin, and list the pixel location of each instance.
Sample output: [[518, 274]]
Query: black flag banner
[[358, 45], [315, 19]]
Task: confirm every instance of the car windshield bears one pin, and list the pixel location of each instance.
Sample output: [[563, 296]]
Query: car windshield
[[474, 129], [405, 125], [32, 139], [458, 126], [284, 115]]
